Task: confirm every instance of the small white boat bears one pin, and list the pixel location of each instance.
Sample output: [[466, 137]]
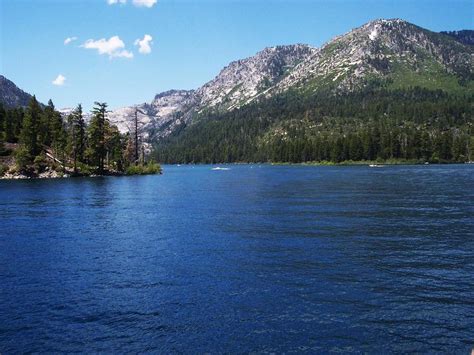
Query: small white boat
[[219, 168], [376, 166]]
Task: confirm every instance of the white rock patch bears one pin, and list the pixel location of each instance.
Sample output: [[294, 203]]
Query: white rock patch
[[373, 35]]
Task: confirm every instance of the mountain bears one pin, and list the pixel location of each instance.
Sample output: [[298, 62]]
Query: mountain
[[391, 50], [463, 36], [242, 81], [391, 53], [237, 84], [160, 117], [10, 95], [386, 90]]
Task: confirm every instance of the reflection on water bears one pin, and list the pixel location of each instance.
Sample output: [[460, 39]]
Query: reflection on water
[[255, 258]]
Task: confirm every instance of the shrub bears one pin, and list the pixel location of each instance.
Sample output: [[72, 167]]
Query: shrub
[[23, 158], [40, 162], [148, 169], [83, 169]]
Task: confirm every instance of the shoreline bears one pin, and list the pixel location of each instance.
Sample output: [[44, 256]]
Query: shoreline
[[345, 163], [53, 174], [65, 176], [59, 175]]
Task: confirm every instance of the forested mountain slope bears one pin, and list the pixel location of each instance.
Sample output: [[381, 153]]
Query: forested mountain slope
[[11, 96], [386, 90]]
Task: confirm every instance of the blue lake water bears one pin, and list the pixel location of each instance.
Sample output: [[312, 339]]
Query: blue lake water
[[251, 259]]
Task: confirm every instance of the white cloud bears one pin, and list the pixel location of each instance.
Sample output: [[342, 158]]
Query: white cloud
[[69, 40], [144, 44], [59, 81], [137, 3], [113, 47], [144, 3]]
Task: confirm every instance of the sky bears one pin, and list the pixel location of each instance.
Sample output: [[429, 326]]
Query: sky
[[123, 52]]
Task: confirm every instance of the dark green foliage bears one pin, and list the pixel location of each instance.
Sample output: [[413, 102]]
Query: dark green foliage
[[76, 136], [23, 158], [46, 141], [12, 124], [115, 146], [30, 128], [146, 169], [46, 125], [373, 124], [97, 149], [40, 163]]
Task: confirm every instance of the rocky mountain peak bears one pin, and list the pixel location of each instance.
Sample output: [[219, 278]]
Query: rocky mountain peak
[[243, 80], [378, 49]]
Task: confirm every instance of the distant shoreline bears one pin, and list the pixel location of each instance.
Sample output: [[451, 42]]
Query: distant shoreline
[[347, 163]]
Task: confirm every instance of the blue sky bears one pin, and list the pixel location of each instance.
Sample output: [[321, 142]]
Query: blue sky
[[192, 40]]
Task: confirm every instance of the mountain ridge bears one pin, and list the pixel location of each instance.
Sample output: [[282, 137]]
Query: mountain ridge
[[11, 95], [389, 50]]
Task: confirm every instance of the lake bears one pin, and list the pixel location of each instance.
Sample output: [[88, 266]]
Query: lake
[[256, 258]]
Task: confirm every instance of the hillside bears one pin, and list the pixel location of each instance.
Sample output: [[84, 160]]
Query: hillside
[[386, 90], [237, 84], [392, 53], [12, 96]]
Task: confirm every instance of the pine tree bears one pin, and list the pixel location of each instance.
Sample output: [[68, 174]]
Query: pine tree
[[129, 150], [97, 148], [80, 132], [30, 127], [58, 133], [9, 133], [44, 131], [114, 147], [76, 136]]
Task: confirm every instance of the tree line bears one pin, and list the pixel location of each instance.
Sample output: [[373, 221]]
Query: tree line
[[413, 124], [45, 138]]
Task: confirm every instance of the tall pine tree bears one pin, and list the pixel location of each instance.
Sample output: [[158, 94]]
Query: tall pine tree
[[76, 136], [97, 148], [30, 127]]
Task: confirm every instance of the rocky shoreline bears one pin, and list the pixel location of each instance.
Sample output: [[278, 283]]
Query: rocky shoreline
[[48, 174]]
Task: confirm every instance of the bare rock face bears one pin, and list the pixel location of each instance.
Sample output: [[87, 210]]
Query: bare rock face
[[160, 117], [243, 80]]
